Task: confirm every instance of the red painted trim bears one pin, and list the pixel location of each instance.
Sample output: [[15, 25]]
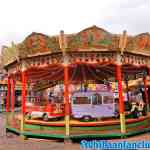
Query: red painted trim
[[8, 95], [13, 95], [119, 78]]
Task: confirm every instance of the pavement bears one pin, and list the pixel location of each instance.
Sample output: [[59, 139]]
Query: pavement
[[14, 142]]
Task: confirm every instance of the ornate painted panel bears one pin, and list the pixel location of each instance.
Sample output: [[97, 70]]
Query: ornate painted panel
[[139, 42], [92, 37], [38, 43]]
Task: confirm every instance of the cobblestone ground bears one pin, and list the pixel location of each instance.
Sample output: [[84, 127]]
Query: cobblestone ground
[[13, 142]]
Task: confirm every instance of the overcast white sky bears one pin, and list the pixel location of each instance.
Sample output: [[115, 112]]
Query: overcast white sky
[[19, 18]]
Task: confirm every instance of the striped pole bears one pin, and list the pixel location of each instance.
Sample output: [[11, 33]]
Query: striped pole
[[24, 80], [8, 95], [8, 100], [121, 99], [63, 46], [66, 100], [12, 95]]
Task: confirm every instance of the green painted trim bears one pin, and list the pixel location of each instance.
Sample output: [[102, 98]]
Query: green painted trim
[[83, 136], [14, 130], [56, 136], [144, 122], [96, 128], [114, 135], [35, 127], [132, 133]]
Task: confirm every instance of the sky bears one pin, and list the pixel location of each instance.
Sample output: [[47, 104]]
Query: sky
[[19, 18]]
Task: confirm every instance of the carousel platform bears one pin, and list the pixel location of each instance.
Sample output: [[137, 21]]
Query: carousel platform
[[103, 129]]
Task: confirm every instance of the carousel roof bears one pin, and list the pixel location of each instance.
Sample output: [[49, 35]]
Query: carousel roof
[[89, 39]]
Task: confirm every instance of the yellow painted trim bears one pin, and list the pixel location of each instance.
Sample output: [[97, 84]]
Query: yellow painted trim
[[122, 123], [22, 123], [67, 124]]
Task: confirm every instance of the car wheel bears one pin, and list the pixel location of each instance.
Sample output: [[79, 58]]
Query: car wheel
[[87, 118], [45, 117]]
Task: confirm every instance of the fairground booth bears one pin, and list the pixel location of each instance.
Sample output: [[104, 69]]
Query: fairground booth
[[78, 85]]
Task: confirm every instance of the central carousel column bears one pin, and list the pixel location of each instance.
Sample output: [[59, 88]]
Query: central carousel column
[[63, 46], [120, 90], [24, 81]]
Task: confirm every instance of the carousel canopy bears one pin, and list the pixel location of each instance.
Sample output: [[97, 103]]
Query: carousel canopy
[[89, 39], [91, 55]]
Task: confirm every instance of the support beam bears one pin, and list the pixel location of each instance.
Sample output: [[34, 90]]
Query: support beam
[[8, 95], [63, 46], [24, 81], [23, 110], [13, 95], [66, 100], [121, 99], [8, 100]]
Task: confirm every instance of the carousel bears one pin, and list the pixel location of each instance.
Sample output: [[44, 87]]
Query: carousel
[[67, 85]]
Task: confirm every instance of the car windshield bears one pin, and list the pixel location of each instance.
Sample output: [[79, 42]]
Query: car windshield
[[108, 99], [81, 100]]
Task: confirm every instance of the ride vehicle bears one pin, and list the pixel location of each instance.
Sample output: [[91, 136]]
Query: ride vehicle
[[92, 105], [45, 109]]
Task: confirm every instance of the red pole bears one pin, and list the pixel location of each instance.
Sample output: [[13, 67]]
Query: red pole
[[23, 74], [66, 100], [13, 95], [121, 99], [8, 95], [119, 78], [66, 91]]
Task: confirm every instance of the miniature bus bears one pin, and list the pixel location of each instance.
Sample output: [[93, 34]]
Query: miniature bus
[[90, 105]]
